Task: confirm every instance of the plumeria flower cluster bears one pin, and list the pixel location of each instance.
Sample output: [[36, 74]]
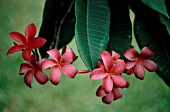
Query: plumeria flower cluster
[[109, 68], [33, 67]]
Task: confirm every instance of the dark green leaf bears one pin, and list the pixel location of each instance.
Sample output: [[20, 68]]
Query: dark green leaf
[[165, 20], [57, 16], [120, 26], [98, 23], [149, 31], [81, 32], [157, 5]]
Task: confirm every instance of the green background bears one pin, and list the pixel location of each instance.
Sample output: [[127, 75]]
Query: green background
[[78, 95]]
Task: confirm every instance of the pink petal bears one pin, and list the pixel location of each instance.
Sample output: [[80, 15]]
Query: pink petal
[[130, 64], [55, 75], [100, 65], [64, 49], [39, 64], [107, 84], [28, 78], [131, 54], [18, 37], [15, 48], [119, 81], [146, 52], [26, 54], [119, 67], [139, 71], [40, 77], [108, 98], [129, 71], [98, 74], [67, 57], [47, 63], [100, 92], [115, 55], [127, 84], [33, 60], [107, 60], [69, 70], [55, 54], [24, 67], [30, 32], [37, 42], [117, 94], [150, 65]]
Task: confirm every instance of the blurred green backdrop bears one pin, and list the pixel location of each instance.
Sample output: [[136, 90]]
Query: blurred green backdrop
[[78, 95]]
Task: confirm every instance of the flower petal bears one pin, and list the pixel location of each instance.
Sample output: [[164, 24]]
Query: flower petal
[[98, 74], [47, 63], [100, 92], [108, 98], [37, 42], [67, 57], [100, 65], [119, 81], [55, 54], [131, 54], [40, 77], [115, 55], [107, 60], [26, 54], [130, 64], [69, 70], [18, 37], [39, 64], [15, 48], [24, 67], [55, 75], [64, 49], [30, 32], [146, 52], [33, 60], [28, 78], [117, 94], [139, 71], [119, 67], [107, 84], [150, 65]]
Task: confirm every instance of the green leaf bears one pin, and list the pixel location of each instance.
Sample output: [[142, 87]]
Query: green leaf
[[165, 20], [81, 32], [149, 31], [120, 26], [57, 20], [98, 23], [157, 5]]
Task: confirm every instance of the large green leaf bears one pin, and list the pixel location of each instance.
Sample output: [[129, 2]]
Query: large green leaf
[[81, 32], [157, 5], [149, 31], [120, 26], [98, 23], [57, 19]]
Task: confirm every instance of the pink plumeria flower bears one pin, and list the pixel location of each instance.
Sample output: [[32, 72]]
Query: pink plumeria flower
[[107, 98], [26, 43], [60, 64], [110, 72], [140, 61], [33, 68]]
